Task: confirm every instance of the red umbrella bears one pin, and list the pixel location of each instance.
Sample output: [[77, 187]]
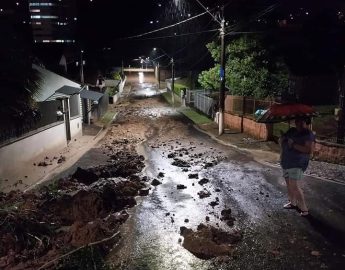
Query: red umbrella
[[284, 112]]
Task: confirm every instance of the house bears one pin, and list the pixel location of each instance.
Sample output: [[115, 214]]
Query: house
[[60, 108]]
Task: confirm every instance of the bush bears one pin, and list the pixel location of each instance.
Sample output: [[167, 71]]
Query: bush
[[116, 76], [178, 88], [111, 91]]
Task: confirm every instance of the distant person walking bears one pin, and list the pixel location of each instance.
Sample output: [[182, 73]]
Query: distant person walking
[[297, 145]]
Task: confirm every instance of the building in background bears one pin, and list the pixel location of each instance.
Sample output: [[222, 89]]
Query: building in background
[[53, 21]]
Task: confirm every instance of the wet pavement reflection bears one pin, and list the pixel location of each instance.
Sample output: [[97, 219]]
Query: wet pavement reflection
[[179, 157]]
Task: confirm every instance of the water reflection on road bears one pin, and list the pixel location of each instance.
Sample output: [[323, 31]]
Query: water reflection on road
[[151, 236]]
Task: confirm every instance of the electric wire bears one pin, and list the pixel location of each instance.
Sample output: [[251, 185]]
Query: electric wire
[[181, 35], [166, 27], [203, 56], [214, 17], [239, 25]]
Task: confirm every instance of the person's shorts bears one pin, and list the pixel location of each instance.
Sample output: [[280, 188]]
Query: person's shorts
[[293, 173]]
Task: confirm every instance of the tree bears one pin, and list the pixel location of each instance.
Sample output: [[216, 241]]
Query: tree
[[19, 82], [209, 79], [251, 69]]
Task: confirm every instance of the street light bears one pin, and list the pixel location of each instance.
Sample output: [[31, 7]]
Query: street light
[[172, 73]]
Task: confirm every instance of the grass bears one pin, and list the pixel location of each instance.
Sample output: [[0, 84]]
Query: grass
[[195, 116], [178, 88], [324, 126], [325, 109], [167, 97]]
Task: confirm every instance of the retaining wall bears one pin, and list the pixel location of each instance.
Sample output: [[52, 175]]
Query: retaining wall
[[251, 127], [329, 152]]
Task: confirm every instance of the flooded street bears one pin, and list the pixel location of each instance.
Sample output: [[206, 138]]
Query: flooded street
[[195, 180]]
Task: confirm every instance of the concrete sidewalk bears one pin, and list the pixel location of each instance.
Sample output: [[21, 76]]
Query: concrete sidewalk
[[48, 164], [262, 151]]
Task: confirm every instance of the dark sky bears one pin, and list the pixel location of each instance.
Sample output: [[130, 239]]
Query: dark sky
[[104, 24], [109, 23]]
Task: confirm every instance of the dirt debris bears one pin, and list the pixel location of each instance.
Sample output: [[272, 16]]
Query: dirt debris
[[88, 206], [208, 242]]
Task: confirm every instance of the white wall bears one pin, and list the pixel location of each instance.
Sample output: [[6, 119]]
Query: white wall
[[122, 85], [76, 127], [24, 150]]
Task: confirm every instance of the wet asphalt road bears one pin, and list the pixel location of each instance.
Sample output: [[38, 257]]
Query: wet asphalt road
[[273, 238]]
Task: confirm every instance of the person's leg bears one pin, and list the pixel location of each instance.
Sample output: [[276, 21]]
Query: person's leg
[[292, 200], [299, 196]]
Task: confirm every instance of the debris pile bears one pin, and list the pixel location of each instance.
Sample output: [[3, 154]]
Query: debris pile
[[87, 208], [209, 242]]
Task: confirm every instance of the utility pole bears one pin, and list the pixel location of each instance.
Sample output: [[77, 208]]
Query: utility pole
[[222, 79], [341, 112], [159, 76], [221, 21], [81, 67], [172, 81]]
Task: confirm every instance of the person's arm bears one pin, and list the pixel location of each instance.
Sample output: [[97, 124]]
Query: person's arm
[[307, 148]]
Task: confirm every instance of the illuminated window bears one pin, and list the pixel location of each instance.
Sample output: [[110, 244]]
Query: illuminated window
[[41, 4], [43, 17]]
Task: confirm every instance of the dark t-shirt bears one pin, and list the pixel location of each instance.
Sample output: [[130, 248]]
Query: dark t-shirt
[[292, 158]]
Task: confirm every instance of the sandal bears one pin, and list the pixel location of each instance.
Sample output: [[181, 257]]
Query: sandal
[[289, 205], [304, 213]]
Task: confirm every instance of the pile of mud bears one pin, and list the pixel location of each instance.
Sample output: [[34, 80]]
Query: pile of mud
[[209, 242], [86, 208]]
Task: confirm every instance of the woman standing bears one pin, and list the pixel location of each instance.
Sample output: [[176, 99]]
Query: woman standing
[[297, 145]]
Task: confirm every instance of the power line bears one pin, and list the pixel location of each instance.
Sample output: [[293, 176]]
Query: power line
[[214, 17], [262, 13], [181, 35], [166, 27], [202, 57]]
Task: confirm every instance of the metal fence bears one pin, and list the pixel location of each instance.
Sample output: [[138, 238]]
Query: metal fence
[[43, 116], [190, 95], [200, 100], [207, 101], [204, 103]]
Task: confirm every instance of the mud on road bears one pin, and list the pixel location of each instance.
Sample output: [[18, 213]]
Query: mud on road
[[196, 182], [161, 195]]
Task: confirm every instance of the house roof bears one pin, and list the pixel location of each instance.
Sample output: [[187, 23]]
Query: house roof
[[92, 95], [50, 83], [64, 92], [68, 90], [112, 83]]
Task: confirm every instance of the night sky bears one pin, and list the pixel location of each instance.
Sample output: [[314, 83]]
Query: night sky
[[112, 31], [316, 26]]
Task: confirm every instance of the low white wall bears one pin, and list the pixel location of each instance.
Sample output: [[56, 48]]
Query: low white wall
[[76, 127], [122, 84], [24, 150]]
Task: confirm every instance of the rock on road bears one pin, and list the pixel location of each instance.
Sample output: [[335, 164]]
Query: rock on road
[[197, 179]]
